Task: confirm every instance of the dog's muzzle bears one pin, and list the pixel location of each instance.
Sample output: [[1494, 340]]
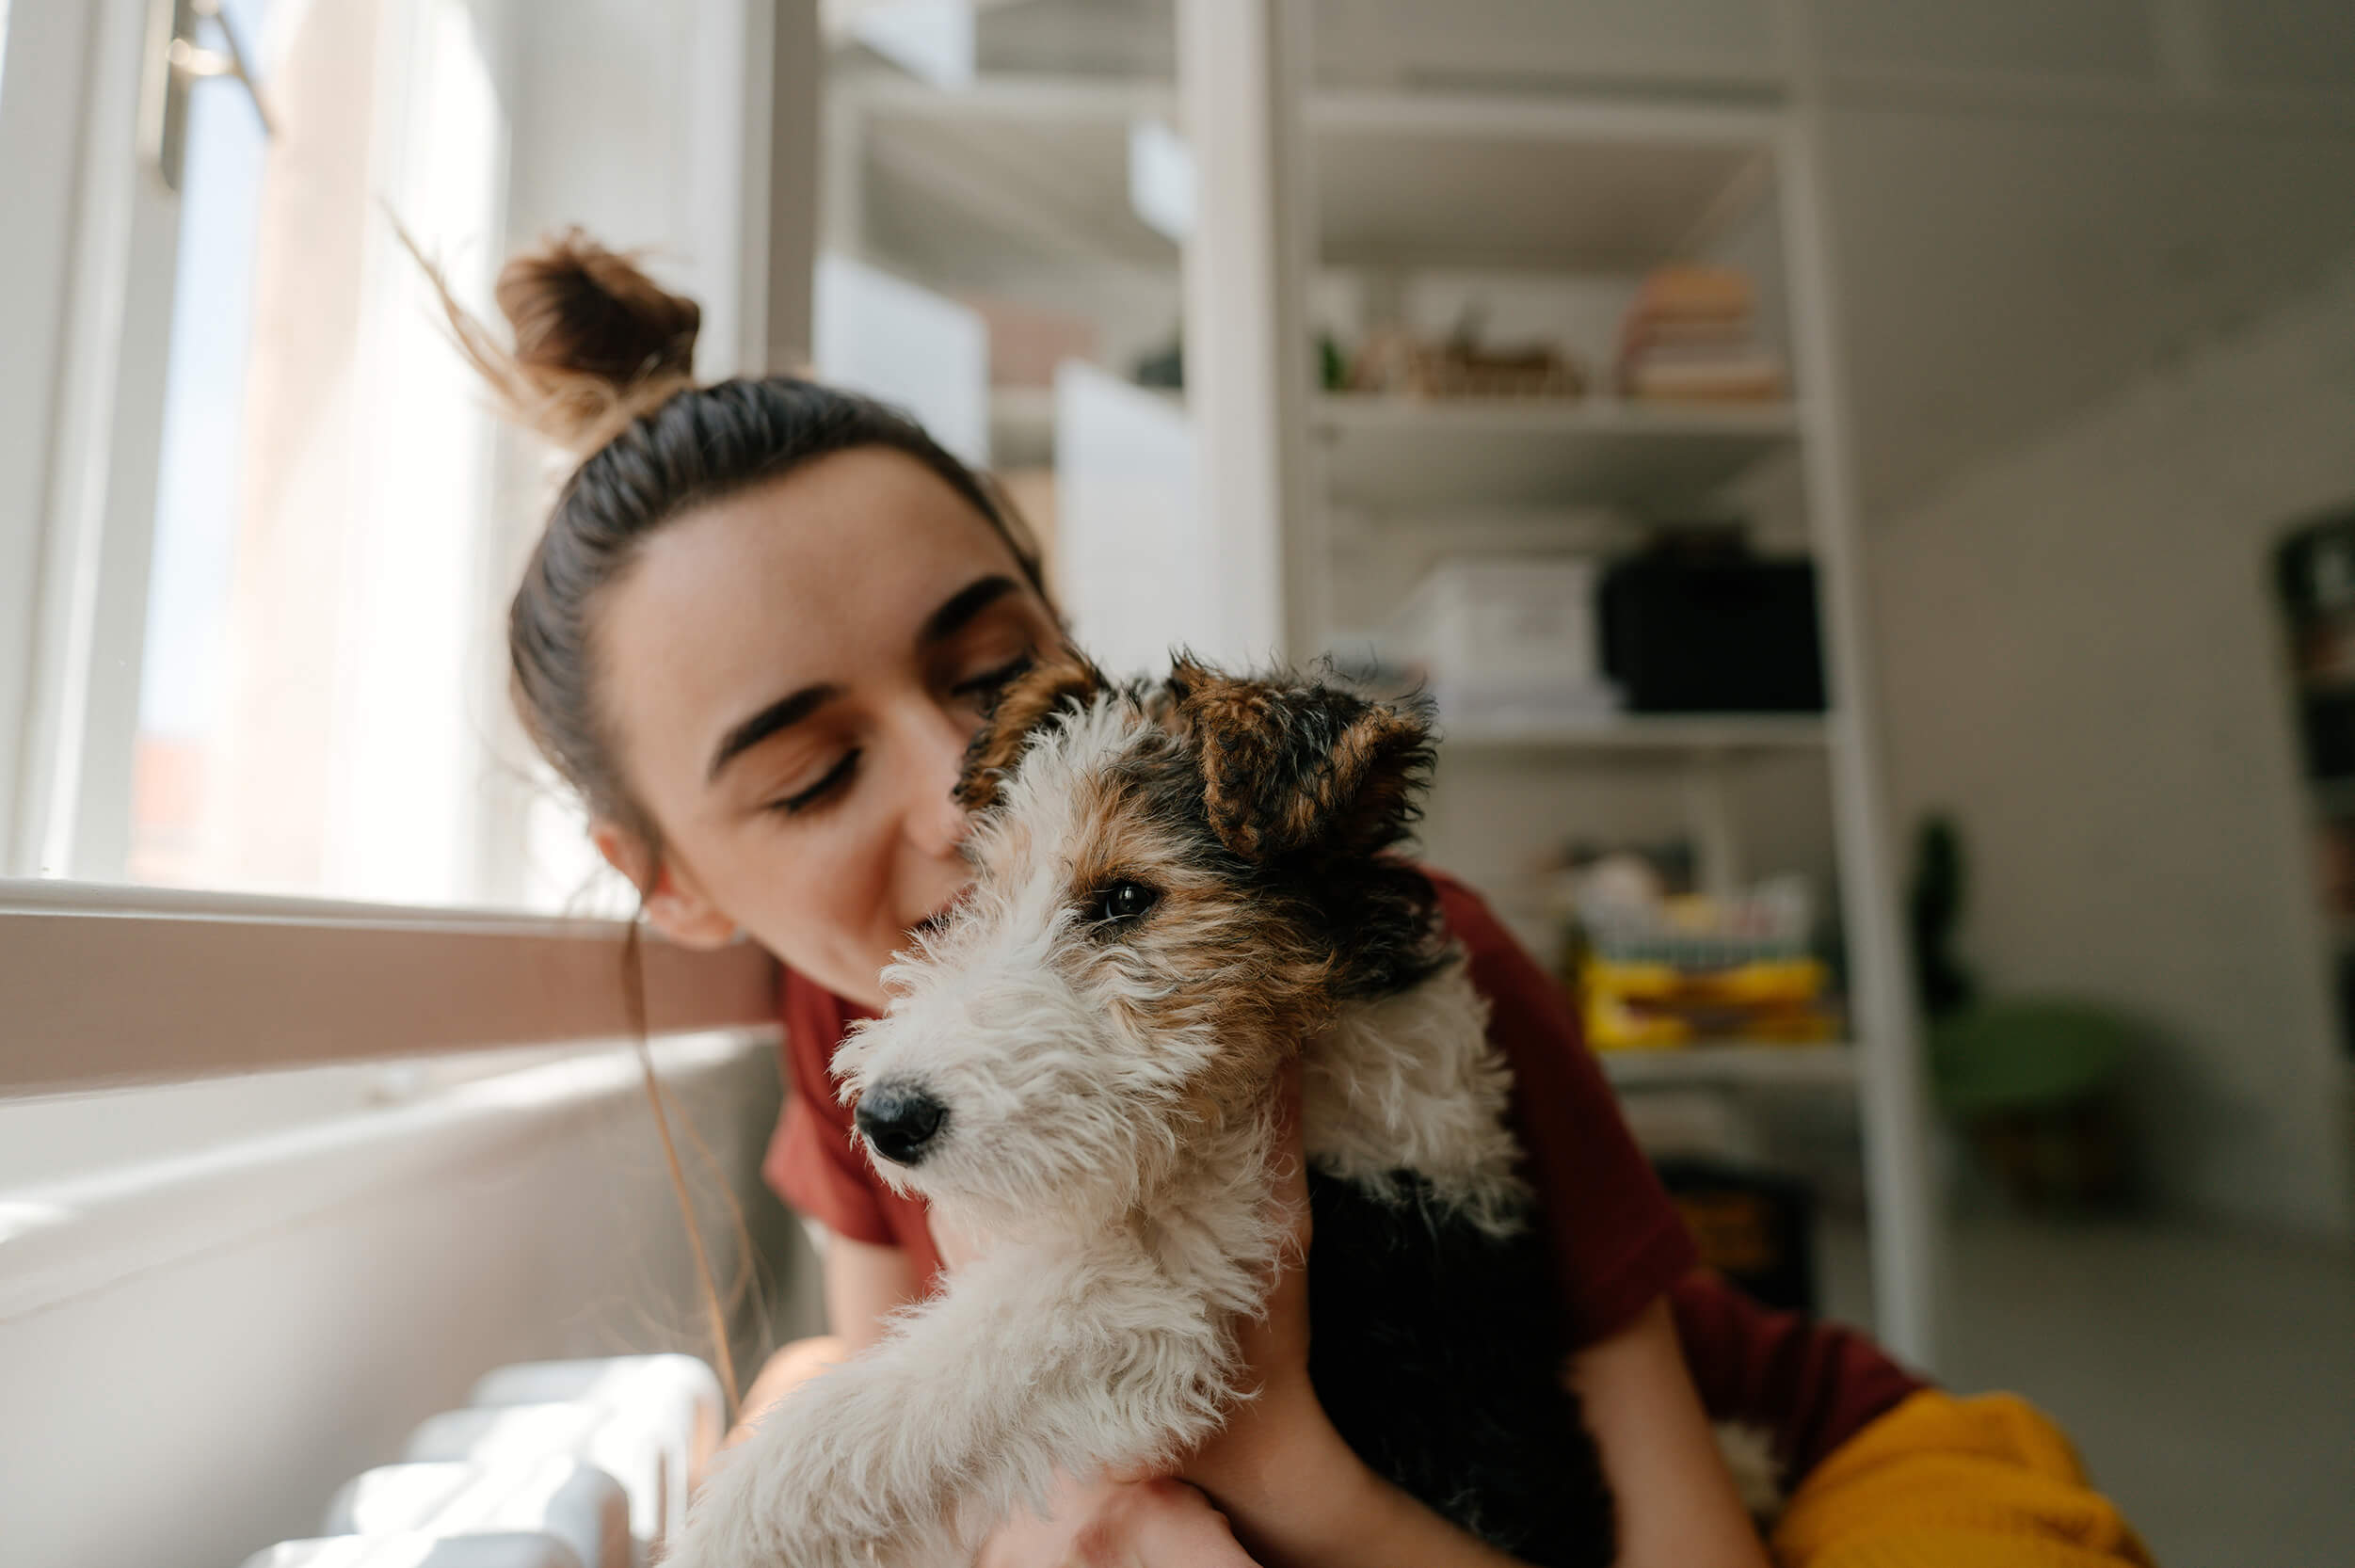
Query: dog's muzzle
[[900, 1122]]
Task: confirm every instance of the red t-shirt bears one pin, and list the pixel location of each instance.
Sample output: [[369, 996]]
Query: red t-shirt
[[1618, 1242]]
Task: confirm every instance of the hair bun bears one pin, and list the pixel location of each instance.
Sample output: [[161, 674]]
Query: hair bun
[[597, 342], [579, 310]]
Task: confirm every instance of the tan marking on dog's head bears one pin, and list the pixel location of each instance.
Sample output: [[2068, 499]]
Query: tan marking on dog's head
[[1062, 681], [1239, 962], [1290, 768]]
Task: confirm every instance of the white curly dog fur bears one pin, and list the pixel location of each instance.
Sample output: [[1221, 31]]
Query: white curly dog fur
[[1108, 1123]]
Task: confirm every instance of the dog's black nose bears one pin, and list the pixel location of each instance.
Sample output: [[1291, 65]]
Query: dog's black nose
[[900, 1122]]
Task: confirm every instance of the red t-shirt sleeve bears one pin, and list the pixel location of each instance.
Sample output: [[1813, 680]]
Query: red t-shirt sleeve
[[1618, 1242], [811, 1162], [1811, 1385], [814, 1161]]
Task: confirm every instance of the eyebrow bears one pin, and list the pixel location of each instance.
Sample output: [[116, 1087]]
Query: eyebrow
[[783, 714], [955, 613], [958, 609]]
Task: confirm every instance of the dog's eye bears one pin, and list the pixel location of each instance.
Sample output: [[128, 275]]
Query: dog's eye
[[1121, 904]]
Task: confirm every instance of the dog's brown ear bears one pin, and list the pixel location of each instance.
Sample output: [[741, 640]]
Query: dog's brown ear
[[1061, 681], [1296, 768]]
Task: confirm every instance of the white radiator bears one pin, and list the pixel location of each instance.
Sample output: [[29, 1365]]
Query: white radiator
[[554, 1465]]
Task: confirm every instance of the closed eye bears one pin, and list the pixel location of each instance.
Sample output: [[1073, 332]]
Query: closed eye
[[1117, 907], [988, 681], [834, 779]]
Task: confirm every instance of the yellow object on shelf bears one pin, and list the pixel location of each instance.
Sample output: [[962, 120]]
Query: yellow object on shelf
[[1772, 979], [1611, 1026], [1636, 1006]]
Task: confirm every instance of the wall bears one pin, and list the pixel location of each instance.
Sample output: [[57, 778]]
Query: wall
[[2079, 657]]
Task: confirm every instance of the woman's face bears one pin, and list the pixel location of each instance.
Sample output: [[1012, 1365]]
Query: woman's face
[[792, 675]]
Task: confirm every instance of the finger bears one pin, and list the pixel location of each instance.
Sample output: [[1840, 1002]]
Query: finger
[[1189, 1531]]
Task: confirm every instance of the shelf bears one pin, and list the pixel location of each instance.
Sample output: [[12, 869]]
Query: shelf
[[1416, 180], [1732, 1066], [964, 188], [1650, 732], [1403, 452]]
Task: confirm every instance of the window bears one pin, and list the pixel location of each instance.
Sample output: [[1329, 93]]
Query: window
[[268, 634], [257, 527]]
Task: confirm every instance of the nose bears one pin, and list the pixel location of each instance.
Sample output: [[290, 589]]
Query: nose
[[900, 1121], [934, 820]]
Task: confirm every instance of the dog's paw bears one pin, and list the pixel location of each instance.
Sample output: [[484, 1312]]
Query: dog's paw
[[807, 1493], [759, 1509]]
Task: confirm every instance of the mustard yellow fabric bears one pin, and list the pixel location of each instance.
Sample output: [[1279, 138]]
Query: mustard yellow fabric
[[1947, 1483]]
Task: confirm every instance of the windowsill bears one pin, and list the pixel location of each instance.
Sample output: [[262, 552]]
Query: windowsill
[[110, 985]]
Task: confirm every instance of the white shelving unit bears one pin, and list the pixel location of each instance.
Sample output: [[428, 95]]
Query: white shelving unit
[[1302, 186], [1298, 186], [1684, 735]]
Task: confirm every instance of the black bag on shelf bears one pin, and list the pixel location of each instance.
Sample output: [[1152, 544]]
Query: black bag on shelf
[[1717, 632]]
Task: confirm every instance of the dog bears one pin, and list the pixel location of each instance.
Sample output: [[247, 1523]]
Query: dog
[[1180, 886]]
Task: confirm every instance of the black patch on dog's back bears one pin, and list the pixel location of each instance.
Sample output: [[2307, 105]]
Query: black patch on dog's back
[[1437, 1352]]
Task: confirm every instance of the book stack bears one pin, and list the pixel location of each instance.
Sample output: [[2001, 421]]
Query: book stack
[[1691, 337], [1691, 970]]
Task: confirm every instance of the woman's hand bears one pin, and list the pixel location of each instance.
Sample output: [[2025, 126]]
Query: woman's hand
[[1145, 1523]]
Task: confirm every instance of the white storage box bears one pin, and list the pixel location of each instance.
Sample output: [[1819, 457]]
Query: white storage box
[[1507, 642]]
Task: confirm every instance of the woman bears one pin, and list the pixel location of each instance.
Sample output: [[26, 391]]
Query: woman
[[755, 636]]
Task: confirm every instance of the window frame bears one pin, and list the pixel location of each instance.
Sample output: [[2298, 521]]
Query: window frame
[[93, 266], [109, 984]]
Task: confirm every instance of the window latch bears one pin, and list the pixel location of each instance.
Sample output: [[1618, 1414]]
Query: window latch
[[177, 59]]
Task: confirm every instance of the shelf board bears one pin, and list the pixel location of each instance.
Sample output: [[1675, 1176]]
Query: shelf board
[[1650, 732], [1404, 452], [1831, 1066], [1426, 180]]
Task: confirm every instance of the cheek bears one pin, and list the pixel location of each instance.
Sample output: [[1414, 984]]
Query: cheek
[[815, 895]]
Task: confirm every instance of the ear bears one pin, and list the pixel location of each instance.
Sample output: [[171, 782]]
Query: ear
[[1291, 768], [1060, 683], [674, 901]]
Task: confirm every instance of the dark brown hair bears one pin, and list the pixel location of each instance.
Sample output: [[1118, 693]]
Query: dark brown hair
[[602, 367]]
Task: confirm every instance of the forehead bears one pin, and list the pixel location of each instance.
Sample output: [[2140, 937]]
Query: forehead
[[812, 577]]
